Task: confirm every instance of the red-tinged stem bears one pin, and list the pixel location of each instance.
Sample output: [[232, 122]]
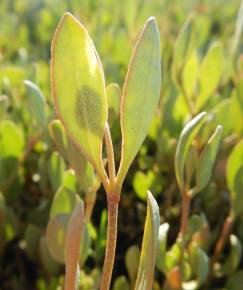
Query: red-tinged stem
[[113, 202]]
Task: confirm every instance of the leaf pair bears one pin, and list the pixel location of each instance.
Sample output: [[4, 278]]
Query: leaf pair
[[79, 91]]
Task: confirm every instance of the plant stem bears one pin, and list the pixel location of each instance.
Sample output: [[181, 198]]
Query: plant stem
[[186, 202], [227, 227], [113, 202]]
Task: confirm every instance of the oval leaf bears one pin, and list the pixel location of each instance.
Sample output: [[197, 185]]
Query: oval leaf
[[145, 277], [141, 93], [78, 88]]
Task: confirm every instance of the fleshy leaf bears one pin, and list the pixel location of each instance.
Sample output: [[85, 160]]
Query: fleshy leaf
[[56, 170], [186, 137], [207, 159], [210, 72], [78, 88], [141, 93], [36, 102], [74, 235], [145, 277]]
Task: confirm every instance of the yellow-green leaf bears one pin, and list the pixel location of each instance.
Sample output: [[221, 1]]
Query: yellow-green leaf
[[145, 277], [141, 93], [113, 92], [78, 88], [210, 72]]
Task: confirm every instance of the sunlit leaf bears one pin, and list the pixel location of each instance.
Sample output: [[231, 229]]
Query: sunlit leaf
[[113, 92], [141, 93], [210, 72], [79, 88], [56, 170], [145, 277]]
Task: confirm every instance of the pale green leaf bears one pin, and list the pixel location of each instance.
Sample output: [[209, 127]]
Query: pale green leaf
[[56, 170], [78, 88], [141, 93], [132, 262], [145, 277], [210, 72], [185, 140], [207, 159], [36, 103]]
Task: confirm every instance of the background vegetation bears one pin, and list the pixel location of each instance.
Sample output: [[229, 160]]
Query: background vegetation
[[202, 66]]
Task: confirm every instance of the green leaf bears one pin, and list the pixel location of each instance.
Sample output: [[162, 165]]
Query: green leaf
[[162, 240], [55, 236], [56, 170], [190, 74], [72, 245], [234, 257], [145, 277], [121, 283], [3, 105], [238, 31], [183, 48], [36, 103], [78, 87], [141, 93], [11, 139], [64, 202], [59, 137], [234, 171], [132, 262], [207, 160], [210, 72], [185, 140], [113, 92], [235, 281]]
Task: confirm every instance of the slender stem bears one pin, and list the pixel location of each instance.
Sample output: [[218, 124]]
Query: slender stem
[[227, 227], [110, 154], [186, 202], [113, 202]]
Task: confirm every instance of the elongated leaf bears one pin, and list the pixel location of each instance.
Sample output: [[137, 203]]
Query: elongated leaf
[[145, 275], [207, 159], [186, 137], [78, 88], [3, 105], [234, 171], [183, 48], [238, 31], [210, 72], [73, 239], [56, 170], [132, 262], [141, 93], [36, 102]]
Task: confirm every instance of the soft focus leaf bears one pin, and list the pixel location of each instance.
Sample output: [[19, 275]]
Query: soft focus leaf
[[36, 102], [207, 159], [141, 93], [185, 140], [121, 283], [56, 170], [210, 72], [145, 277], [132, 262], [79, 88], [72, 244], [234, 171], [113, 92], [3, 105]]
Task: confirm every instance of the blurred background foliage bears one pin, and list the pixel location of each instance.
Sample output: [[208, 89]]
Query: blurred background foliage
[[202, 70]]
